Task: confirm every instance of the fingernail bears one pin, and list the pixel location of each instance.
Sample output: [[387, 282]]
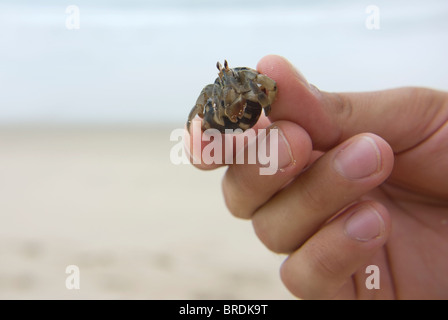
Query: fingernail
[[364, 225], [359, 159], [285, 157], [284, 154]]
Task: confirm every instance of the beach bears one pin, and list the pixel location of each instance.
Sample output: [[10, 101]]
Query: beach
[[108, 200]]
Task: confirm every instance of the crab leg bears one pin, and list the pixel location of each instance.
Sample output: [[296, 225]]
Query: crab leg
[[236, 110], [268, 84], [257, 95], [198, 108]]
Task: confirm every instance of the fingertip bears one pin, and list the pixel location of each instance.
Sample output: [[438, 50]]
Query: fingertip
[[271, 62], [386, 154], [194, 145], [277, 66]]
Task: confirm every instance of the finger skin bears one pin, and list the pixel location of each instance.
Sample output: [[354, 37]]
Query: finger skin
[[196, 153], [245, 189], [295, 213], [325, 264], [404, 116]]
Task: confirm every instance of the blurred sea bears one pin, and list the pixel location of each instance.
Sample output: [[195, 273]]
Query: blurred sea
[[146, 61]]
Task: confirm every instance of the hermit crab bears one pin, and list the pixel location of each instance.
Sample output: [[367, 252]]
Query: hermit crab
[[234, 100]]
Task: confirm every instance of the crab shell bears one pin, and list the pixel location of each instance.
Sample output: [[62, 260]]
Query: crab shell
[[234, 100]]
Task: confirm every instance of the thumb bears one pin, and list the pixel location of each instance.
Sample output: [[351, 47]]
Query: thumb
[[404, 116]]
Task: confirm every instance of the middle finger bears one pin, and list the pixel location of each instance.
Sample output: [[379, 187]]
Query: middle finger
[[335, 180], [245, 189]]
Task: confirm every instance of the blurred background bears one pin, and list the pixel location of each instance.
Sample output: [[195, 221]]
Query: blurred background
[[89, 94]]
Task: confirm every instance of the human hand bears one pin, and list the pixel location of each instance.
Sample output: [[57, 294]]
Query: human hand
[[364, 181]]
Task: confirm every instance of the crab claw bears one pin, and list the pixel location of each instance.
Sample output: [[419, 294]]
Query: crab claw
[[236, 110]]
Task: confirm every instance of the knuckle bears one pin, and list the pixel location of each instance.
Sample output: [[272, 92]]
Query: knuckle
[[312, 196], [416, 93], [272, 238], [343, 106], [323, 262], [263, 230], [299, 281], [428, 97], [316, 274], [304, 282], [292, 279]]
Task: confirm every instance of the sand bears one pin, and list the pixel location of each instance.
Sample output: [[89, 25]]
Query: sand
[[108, 200]]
